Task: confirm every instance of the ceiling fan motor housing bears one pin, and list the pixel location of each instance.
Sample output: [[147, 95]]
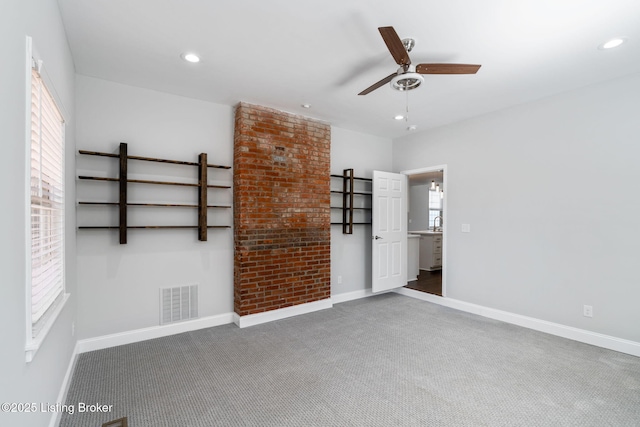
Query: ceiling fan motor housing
[[407, 79]]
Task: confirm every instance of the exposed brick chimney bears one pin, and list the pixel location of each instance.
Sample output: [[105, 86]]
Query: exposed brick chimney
[[281, 210]]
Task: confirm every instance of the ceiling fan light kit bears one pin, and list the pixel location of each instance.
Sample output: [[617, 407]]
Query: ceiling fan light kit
[[409, 77], [406, 81]]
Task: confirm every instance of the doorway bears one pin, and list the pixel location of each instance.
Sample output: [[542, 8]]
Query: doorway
[[427, 225]]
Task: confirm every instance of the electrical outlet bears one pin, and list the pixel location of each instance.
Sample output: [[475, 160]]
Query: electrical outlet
[[339, 280], [588, 311]]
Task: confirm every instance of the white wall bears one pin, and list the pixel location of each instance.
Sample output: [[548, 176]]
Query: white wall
[[418, 207], [550, 191], [119, 284], [40, 380], [351, 253]]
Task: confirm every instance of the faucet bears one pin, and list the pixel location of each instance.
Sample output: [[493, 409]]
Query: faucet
[[434, 221]]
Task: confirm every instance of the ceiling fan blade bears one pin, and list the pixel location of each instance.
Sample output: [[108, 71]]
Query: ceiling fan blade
[[447, 68], [379, 84], [395, 45]]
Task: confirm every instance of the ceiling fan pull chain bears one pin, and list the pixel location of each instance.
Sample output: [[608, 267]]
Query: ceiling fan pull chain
[[406, 117]]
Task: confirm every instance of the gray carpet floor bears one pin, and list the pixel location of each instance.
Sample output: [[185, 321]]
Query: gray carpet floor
[[387, 360]]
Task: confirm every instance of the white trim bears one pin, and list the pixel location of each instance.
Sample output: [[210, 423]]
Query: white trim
[[281, 313], [350, 296], [27, 203], [33, 344], [569, 332], [64, 388], [137, 335], [445, 215], [424, 296]]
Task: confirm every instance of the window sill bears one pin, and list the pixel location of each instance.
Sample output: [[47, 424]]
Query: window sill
[[33, 344]]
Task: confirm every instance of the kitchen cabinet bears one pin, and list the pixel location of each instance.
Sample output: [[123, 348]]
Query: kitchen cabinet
[[430, 251]]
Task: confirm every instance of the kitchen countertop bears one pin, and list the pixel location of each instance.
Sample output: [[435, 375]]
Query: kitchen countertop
[[425, 232]]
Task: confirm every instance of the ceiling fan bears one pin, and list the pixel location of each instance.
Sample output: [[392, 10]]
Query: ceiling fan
[[408, 76]]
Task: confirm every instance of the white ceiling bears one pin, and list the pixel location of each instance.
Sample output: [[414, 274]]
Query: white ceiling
[[283, 53]]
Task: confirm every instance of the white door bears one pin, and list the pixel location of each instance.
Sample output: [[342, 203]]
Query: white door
[[389, 231]]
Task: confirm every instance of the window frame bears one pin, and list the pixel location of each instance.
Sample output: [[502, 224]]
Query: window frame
[[52, 312], [434, 212]]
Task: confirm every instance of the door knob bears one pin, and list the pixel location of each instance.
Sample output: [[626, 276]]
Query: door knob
[[377, 237]]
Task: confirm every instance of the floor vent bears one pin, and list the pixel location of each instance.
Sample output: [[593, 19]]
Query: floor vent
[[177, 304], [120, 422]]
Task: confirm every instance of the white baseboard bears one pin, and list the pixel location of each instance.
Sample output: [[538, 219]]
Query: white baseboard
[[64, 388], [281, 313], [581, 335], [350, 296], [113, 340]]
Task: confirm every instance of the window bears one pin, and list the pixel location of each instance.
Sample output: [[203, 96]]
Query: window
[[435, 208], [45, 275]]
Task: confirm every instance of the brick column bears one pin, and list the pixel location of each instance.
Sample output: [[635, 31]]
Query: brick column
[[281, 210]]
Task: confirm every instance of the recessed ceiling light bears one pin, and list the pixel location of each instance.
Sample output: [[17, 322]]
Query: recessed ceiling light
[[412, 127], [306, 105], [399, 117], [190, 57], [612, 43]]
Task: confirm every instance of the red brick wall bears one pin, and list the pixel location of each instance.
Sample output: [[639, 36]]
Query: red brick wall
[[281, 210]]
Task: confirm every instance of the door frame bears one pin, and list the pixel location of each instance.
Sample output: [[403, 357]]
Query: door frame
[[445, 219]]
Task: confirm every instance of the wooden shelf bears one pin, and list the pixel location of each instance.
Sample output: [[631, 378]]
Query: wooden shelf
[[340, 207], [123, 182], [174, 205], [355, 177], [150, 159], [144, 181], [130, 227], [348, 194], [363, 193]]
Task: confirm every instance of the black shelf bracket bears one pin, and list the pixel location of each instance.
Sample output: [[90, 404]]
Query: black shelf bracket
[[347, 201]]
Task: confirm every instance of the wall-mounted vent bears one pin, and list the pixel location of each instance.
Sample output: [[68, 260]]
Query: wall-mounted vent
[[180, 303]]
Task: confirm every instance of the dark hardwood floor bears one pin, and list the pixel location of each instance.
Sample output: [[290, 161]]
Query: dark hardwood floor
[[428, 281]]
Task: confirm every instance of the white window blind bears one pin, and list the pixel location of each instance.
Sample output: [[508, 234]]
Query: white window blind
[[435, 207], [47, 203], [435, 202]]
